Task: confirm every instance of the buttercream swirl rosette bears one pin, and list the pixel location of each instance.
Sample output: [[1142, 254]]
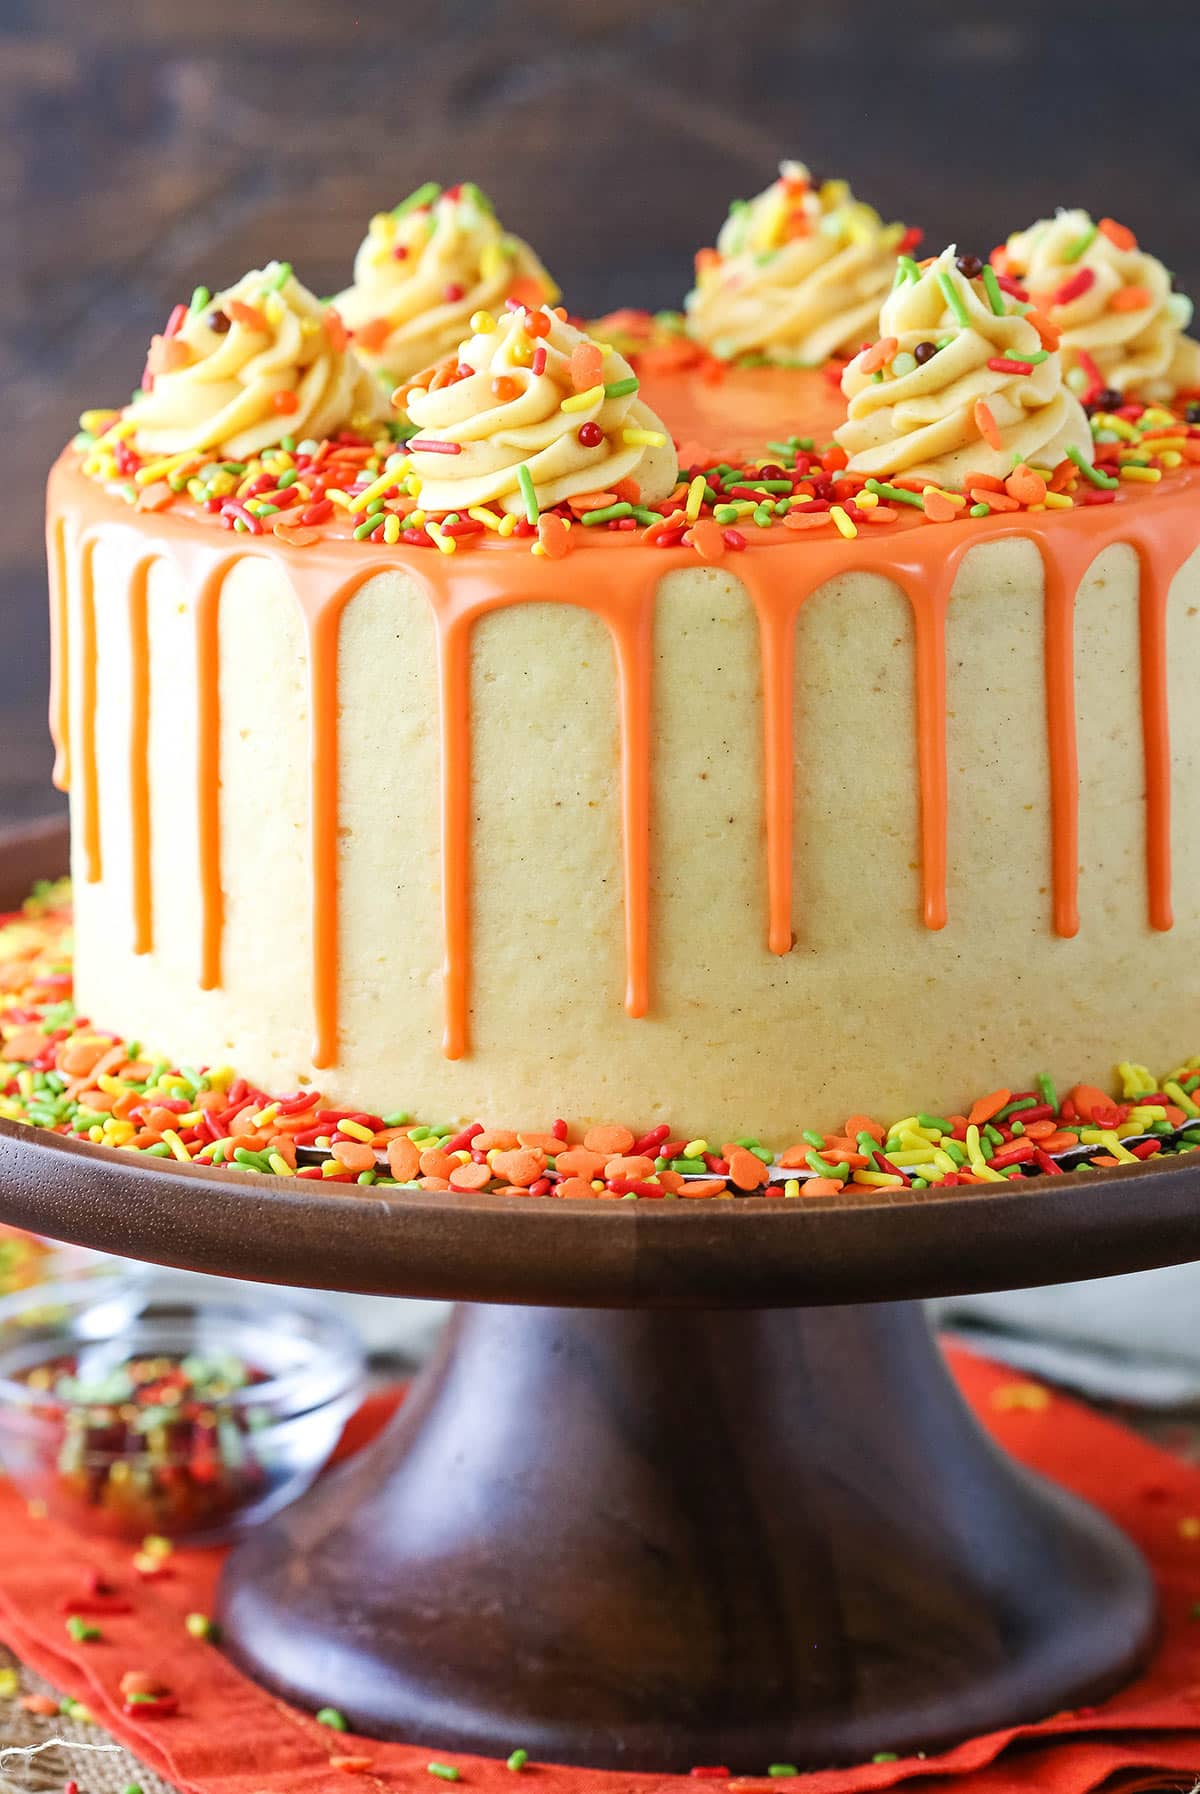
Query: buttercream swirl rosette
[[797, 276], [261, 360], [531, 407], [424, 268], [961, 380], [1121, 324]]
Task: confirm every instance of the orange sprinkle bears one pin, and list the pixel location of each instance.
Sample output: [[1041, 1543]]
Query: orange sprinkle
[[878, 355], [404, 1160], [471, 1176], [522, 1167], [353, 1155], [1130, 299], [627, 490], [624, 1165], [436, 1163], [249, 315], [1048, 333], [999, 501], [1027, 487], [554, 536], [592, 501], [746, 1169], [579, 1161], [372, 335], [938, 508], [574, 1187], [805, 519], [351, 1765], [987, 481], [702, 1186], [1119, 235], [587, 366], [40, 1704], [821, 1186], [495, 1139], [985, 1107], [285, 400], [862, 1124], [707, 538], [296, 535], [550, 1144], [335, 330], [608, 1140], [985, 423]]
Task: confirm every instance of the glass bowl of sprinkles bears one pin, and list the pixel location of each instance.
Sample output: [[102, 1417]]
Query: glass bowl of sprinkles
[[154, 1406]]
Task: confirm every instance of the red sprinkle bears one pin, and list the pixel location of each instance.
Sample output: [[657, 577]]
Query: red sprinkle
[[424, 445], [1080, 283], [1003, 364]]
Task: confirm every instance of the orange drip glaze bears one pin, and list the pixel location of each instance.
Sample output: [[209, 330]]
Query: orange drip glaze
[[60, 708], [617, 581], [87, 707], [139, 757]]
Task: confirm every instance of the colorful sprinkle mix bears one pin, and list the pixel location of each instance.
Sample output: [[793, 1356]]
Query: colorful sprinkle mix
[[61, 1072]]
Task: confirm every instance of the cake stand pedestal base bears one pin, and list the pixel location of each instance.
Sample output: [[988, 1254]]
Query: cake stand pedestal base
[[651, 1540]]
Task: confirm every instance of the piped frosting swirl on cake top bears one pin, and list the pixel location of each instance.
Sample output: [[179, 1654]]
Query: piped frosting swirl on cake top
[[798, 274], [1112, 303], [963, 378], [424, 268], [233, 374], [531, 410]]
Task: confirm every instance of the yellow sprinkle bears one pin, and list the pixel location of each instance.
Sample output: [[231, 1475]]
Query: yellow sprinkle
[[882, 1180], [643, 438], [221, 1077], [356, 1131], [1117, 425], [695, 499], [330, 1168], [1154, 416], [582, 401], [792, 1186], [508, 524], [391, 528], [445, 544], [97, 421], [866, 501], [538, 548], [279, 1164], [124, 426], [375, 490], [974, 1150], [1159, 443], [482, 323], [1030, 1396], [916, 1155], [416, 519], [482, 514], [176, 1144], [695, 1149], [1169, 457], [1150, 474], [1180, 1098], [336, 496], [1058, 501], [157, 470], [845, 526]]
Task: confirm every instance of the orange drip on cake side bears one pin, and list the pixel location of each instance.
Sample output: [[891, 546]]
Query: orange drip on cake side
[[617, 582]]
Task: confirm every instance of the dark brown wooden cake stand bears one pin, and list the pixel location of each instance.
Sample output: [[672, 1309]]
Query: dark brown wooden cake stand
[[696, 1490]]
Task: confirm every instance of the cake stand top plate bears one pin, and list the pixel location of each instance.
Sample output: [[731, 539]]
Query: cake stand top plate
[[756, 1252]]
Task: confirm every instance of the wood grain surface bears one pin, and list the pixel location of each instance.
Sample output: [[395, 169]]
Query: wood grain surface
[[145, 147]]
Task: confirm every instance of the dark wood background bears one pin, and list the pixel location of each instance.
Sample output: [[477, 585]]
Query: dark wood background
[[147, 145]]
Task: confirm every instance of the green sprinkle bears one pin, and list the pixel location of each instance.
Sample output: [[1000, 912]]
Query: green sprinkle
[[278, 277], [646, 518], [366, 1177], [525, 482], [952, 296], [782, 1769], [1046, 1090], [908, 267], [897, 494], [1088, 471], [609, 513], [1081, 245], [937, 1121], [620, 389], [885, 1756], [445, 1772], [724, 514], [81, 1631], [400, 1118], [980, 511], [813, 1139], [421, 196], [368, 527], [200, 299], [1037, 357], [132, 1788], [696, 1166], [333, 1719], [517, 1761], [200, 1626], [991, 287]]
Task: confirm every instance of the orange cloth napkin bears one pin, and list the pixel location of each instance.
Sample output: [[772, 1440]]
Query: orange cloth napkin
[[229, 1737]]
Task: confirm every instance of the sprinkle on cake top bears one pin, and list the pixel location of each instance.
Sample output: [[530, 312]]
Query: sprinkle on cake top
[[425, 267], [963, 377], [528, 413], [230, 374], [1120, 322], [798, 273]]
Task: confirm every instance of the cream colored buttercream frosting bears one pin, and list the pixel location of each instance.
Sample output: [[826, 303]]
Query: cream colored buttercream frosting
[[261, 360], [1111, 301], [424, 268], [959, 381], [797, 276], [529, 391]]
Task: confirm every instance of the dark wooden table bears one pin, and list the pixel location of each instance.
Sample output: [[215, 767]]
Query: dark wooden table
[[145, 148]]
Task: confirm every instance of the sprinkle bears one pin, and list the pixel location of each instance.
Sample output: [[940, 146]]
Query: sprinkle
[[896, 494], [607, 514], [517, 1761], [985, 423], [991, 287], [583, 401], [482, 323], [528, 493], [953, 297], [427, 446], [332, 1718], [845, 526], [445, 1772], [620, 389], [1088, 471], [1081, 282], [1004, 364], [1081, 245]]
